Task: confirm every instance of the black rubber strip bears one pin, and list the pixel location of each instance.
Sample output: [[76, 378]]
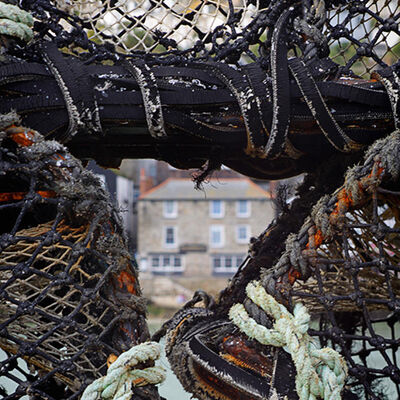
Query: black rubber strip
[[329, 127], [391, 81], [280, 89], [355, 93], [243, 380], [151, 97], [22, 71], [256, 76], [76, 87], [194, 128], [238, 84]]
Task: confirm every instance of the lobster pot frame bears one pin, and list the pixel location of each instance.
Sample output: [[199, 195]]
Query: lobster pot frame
[[69, 293], [344, 266], [354, 293]]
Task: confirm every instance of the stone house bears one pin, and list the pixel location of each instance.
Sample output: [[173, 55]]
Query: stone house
[[188, 233]]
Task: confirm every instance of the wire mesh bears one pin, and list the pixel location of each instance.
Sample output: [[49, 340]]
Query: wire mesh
[[358, 35], [131, 25]]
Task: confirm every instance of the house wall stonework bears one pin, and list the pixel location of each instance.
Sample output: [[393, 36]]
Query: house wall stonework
[[192, 226]]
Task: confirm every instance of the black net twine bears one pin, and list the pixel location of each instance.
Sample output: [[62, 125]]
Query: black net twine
[[69, 293], [359, 33], [343, 264], [341, 261]]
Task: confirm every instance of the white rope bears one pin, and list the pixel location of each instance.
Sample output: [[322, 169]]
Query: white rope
[[321, 373], [15, 22], [121, 375]]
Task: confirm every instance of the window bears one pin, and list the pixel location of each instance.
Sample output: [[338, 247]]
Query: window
[[242, 233], [226, 263], [170, 208], [177, 262], [166, 263], [217, 236], [217, 209], [155, 262], [170, 239], [243, 208]]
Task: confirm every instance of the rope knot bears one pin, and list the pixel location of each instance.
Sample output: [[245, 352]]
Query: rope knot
[[321, 373], [15, 22], [122, 375]]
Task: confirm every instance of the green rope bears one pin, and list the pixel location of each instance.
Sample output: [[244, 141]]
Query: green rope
[[15, 22], [121, 375], [321, 373]]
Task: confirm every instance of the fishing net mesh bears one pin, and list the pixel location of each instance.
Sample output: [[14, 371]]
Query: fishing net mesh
[[358, 35], [343, 264], [69, 294], [353, 293]]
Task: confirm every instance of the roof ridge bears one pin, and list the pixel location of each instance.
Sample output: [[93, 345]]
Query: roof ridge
[[154, 188], [175, 189]]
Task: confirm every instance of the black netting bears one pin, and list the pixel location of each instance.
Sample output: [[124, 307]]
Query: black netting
[[271, 89], [354, 295], [342, 263], [69, 294], [359, 35]]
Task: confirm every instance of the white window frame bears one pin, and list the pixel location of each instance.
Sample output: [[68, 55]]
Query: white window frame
[[221, 214], [170, 245], [221, 228], [240, 214], [174, 212], [166, 268], [248, 234], [223, 269]]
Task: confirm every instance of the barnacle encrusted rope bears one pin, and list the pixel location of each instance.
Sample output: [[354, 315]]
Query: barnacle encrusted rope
[[122, 375], [321, 373], [15, 22]]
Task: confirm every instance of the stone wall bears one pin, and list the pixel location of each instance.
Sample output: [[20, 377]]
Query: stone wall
[[192, 224]]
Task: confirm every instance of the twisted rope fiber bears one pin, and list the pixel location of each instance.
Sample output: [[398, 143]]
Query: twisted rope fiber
[[121, 375], [381, 163], [15, 22], [321, 373]]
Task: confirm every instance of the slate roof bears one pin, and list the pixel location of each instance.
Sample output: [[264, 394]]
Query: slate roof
[[215, 189]]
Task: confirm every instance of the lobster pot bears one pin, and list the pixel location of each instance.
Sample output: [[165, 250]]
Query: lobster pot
[[68, 290], [353, 290]]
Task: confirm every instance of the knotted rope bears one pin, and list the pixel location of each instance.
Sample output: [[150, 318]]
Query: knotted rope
[[121, 375], [321, 373], [15, 22]]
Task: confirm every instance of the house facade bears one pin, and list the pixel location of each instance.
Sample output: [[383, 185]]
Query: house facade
[[200, 233]]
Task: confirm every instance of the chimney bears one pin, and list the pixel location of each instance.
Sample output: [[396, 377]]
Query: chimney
[[145, 182]]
